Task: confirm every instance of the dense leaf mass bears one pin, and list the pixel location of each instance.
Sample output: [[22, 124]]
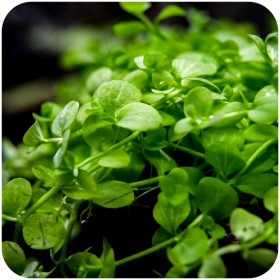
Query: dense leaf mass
[[177, 122]]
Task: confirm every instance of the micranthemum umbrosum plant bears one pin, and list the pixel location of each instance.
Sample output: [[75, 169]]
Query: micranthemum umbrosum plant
[[189, 115]]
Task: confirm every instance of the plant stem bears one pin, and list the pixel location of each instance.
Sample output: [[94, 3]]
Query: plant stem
[[39, 203], [186, 150], [113, 147], [167, 97], [9, 218], [148, 251], [251, 159], [145, 182]]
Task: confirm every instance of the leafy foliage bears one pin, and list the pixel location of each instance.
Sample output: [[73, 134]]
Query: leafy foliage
[[189, 115]]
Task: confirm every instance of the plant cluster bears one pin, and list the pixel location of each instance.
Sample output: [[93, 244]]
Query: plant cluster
[[187, 113]]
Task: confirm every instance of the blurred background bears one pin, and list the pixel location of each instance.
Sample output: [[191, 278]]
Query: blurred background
[[35, 34]]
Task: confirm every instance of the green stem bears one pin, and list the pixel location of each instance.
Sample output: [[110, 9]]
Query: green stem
[[148, 251], [145, 182], [186, 150], [9, 218], [251, 159], [113, 147], [228, 249], [167, 97], [53, 140], [76, 134], [39, 203]]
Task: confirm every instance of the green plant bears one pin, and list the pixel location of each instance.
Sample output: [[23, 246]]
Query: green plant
[[188, 115]]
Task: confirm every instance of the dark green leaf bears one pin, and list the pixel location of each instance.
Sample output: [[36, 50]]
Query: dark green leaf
[[257, 183], [160, 160], [44, 173], [115, 159], [191, 249], [260, 260], [224, 157], [170, 216], [216, 198], [113, 194], [108, 260], [14, 256]]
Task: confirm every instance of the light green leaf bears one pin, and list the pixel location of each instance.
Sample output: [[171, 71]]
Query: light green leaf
[[170, 11], [98, 77], [14, 256], [244, 225], [115, 94], [33, 136], [113, 194], [138, 116], [138, 77], [65, 118], [59, 156], [128, 28], [198, 103], [216, 198], [16, 195], [42, 231], [135, 7], [115, 159], [270, 200], [212, 267], [184, 68], [231, 135], [260, 132]]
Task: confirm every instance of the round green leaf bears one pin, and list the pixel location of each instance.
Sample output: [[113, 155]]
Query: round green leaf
[[138, 116], [192, 248], [198, 103], [115, 159], [98, 77], [115, 94], [42, 231], [14, 256], [16, 195], [216, 198], [212, 267], [33, 136], [113, 194], [244, 225]]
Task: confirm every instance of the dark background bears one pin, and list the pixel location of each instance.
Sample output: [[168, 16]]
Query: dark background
[[31, 61]]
